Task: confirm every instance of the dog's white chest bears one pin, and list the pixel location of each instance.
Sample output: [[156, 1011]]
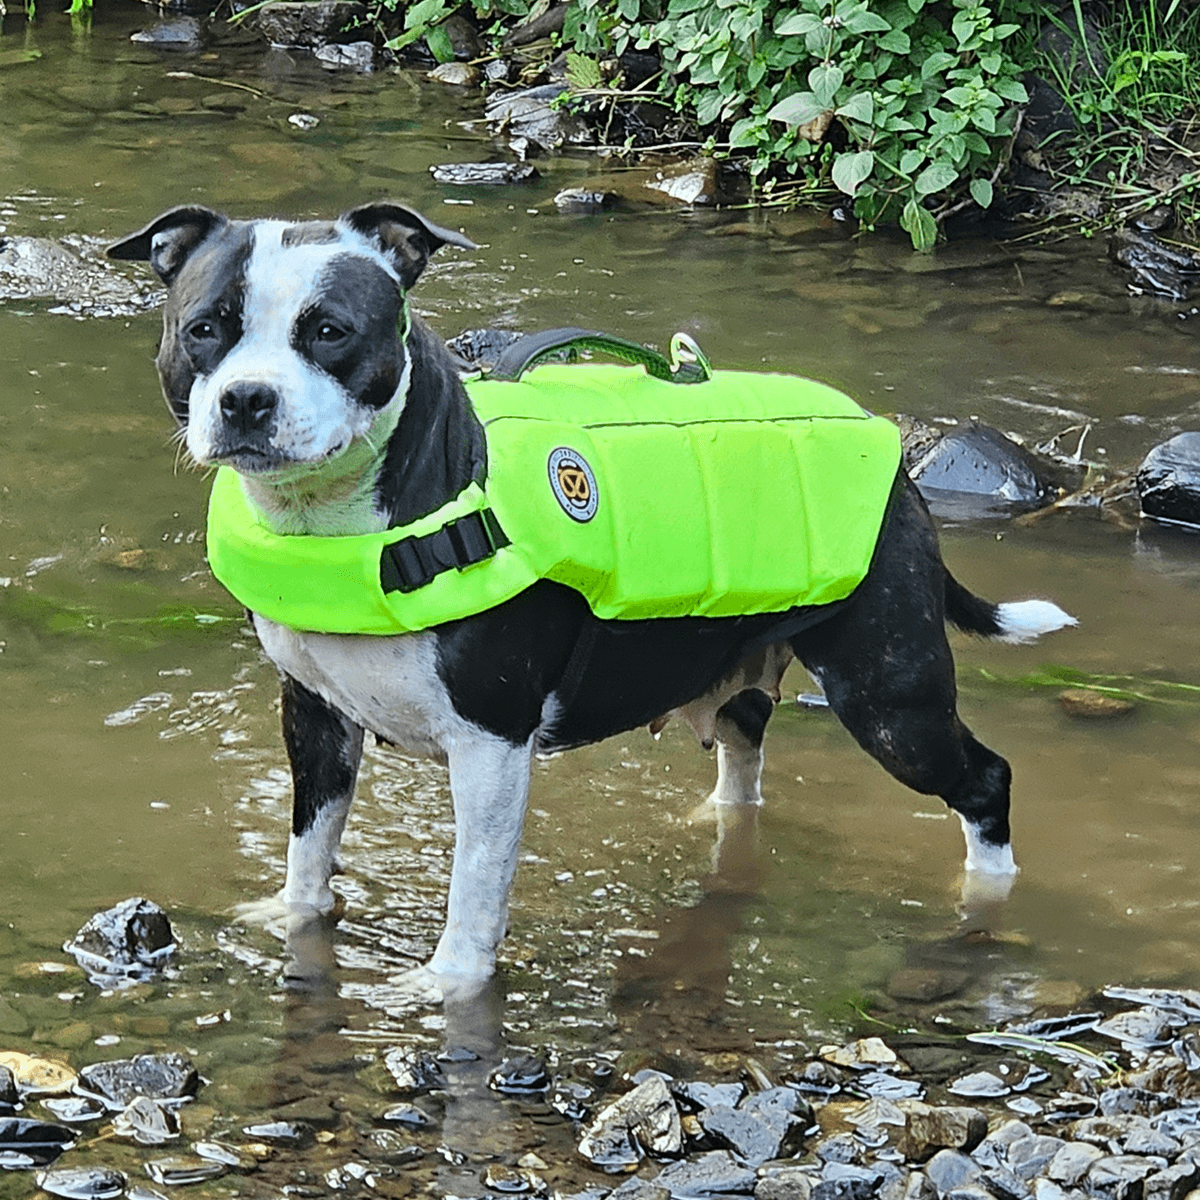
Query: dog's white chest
[[388, 685]]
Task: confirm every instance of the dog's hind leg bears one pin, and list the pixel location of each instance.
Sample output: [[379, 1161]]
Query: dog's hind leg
[[887, 671]]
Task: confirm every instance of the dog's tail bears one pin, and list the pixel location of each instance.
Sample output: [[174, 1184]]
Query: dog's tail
[[1017, 621]]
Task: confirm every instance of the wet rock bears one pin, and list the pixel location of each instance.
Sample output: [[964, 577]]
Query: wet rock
[[643, 1121], [520, 1076], [947, 1169], [483, 174], [1135, 1100], [1090, 705], [154, 1076], [841, 1148], [513, 1181], [414, 1071], [716, 1173], [753, 1140], [1029, 1156], [478, 350], [305, 24], [82, 1183], [843, 1181], [227, 1156], [455, 74], [864, 1053], [146, 1122], [352, 56], [28, 1143], [1154, 266], [181, 1169], [978, 1084], [1119, 1177], [1172, 1183], [8, 1088], [295, 1134], [692, 1097], [1072, 1162], [37, 268], [570, 1100], [408, 1115], [530, 114], [914, 1186], [584, 200], [37, 1076], [699, 181], [499, 70], [822, 1079], [632, 1189], [128, 942], [928, 1129], [785, 1183], [1139, 1028], [178, 33], [1168, 480], [926, 984], [549, 22], [74, 1110], [974, 470]]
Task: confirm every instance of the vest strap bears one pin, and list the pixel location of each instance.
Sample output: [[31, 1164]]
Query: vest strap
[[687, 363], [411, 563]]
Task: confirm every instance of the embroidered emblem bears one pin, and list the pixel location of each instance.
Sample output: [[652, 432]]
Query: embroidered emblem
[[573, 484]]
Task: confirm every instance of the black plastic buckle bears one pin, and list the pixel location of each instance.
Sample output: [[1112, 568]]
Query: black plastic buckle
[[411, 563]]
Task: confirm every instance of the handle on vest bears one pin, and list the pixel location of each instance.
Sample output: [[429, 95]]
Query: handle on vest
[[687, 364]]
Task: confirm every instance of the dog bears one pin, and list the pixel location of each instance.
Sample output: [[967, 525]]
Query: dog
[[288, 355]]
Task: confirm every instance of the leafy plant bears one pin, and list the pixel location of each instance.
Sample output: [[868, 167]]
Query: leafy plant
[[425, 18]]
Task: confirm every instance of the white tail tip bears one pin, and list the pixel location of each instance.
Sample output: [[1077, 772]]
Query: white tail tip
[[1026, 620]]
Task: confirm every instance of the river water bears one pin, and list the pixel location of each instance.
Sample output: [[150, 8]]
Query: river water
[[141, 751]]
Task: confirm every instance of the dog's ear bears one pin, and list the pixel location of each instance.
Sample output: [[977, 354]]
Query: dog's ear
[[168, 241], [405, 236]]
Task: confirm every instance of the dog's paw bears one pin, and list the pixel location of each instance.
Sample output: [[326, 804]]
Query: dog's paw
[[279, 914]]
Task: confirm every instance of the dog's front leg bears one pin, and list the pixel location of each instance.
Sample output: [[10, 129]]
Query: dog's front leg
[[324, 747], [489, 780]]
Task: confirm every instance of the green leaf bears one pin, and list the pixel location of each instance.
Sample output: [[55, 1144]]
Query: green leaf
[[917, 221], [985, 119], [935, 178], [440, 46], [860, 107], [799, 23], [745, 132], [850, 170], [424, 12], [797, 109], [825, 81], [936, 63], [981, 192], [583, 72], [897, 41], [1011, 89], [910, 160], [864, 21]]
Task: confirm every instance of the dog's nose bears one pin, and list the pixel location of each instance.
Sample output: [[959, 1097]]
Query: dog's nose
[[247, 407]]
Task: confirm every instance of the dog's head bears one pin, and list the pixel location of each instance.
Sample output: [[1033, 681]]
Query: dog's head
[[284, 344]]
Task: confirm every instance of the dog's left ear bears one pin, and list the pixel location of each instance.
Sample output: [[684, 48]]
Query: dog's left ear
[[168, 241], [405, 236]]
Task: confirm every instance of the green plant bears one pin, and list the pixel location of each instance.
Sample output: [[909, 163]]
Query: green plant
[[907, 106], [425, 18]]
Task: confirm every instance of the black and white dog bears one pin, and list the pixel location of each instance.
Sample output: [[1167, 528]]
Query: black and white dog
[[284, 355]]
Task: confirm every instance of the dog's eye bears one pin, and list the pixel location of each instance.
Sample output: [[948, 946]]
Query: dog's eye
[[202, 331], [327, 331]]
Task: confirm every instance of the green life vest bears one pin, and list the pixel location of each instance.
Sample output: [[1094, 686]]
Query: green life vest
[[746, 493]]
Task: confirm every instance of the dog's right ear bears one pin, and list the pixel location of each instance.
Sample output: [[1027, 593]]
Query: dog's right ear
[[168, 241]]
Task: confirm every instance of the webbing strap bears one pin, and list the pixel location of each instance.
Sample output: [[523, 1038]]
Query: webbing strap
[[413, 562], [687, 363]]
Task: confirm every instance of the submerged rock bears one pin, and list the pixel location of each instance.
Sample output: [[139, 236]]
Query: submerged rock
[[147, 1122], [39, 268], [1168, 481], [354, 56], [307, 25], [27, 1143], [479, 349], [153, 1076], [183, 1169], [414, 1071], [179, 33], [483, 174], [1153, 265], [126, 943], [531, 115], [520, 1076], [82, 1183], [716, 1173], [37, 1076]]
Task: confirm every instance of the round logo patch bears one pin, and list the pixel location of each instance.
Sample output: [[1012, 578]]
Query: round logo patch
[[573, 484]]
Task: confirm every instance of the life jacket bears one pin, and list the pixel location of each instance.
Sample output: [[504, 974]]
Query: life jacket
[[746, 493]]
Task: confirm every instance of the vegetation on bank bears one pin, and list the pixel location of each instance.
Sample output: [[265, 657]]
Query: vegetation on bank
[[910, 108]]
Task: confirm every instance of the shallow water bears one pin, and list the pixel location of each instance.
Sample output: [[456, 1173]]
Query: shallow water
[[140, 721]]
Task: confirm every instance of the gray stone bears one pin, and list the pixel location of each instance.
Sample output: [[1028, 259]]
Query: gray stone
[[779, 1107], [82, 1183], [993, 1150], [130, 941], [307, 23], [754, 1141], [353, 56], [414, 1071], [178, 33], [785, 1183], [1003, 1184], [928, 1129], [1029, 1156], [1151, 1141], [531, 114], [455, 74], [842, 1181], [631, 1189], [643, 1121], [914, 1186], [1072, 1163], [712, 1174], [1109, 1132], [696, 1096], [1172, 1183], [1119, 1177], [498, 174], [841, 1148], [1168, 480], [949, 1168], [154, 1076], [584, 200]]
